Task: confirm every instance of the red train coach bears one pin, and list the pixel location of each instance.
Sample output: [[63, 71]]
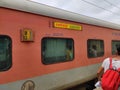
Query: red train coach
[[45, 48]]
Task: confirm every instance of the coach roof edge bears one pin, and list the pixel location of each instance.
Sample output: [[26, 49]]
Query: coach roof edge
[[42, 9]]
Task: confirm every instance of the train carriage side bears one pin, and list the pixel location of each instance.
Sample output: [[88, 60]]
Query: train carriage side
[[47, 53]]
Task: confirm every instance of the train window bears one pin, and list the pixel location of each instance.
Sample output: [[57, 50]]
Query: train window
[[5, 53], [95, 48], [115, 44], [55, 50]]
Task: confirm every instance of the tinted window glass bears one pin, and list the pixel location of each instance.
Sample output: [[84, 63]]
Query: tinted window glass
[[56, 50], [115, 44], [5, 53], [95, 48]]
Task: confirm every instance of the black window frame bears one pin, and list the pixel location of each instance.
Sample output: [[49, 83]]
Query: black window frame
[[6, 64], [101, 54], [114, 48], [62, 61]]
